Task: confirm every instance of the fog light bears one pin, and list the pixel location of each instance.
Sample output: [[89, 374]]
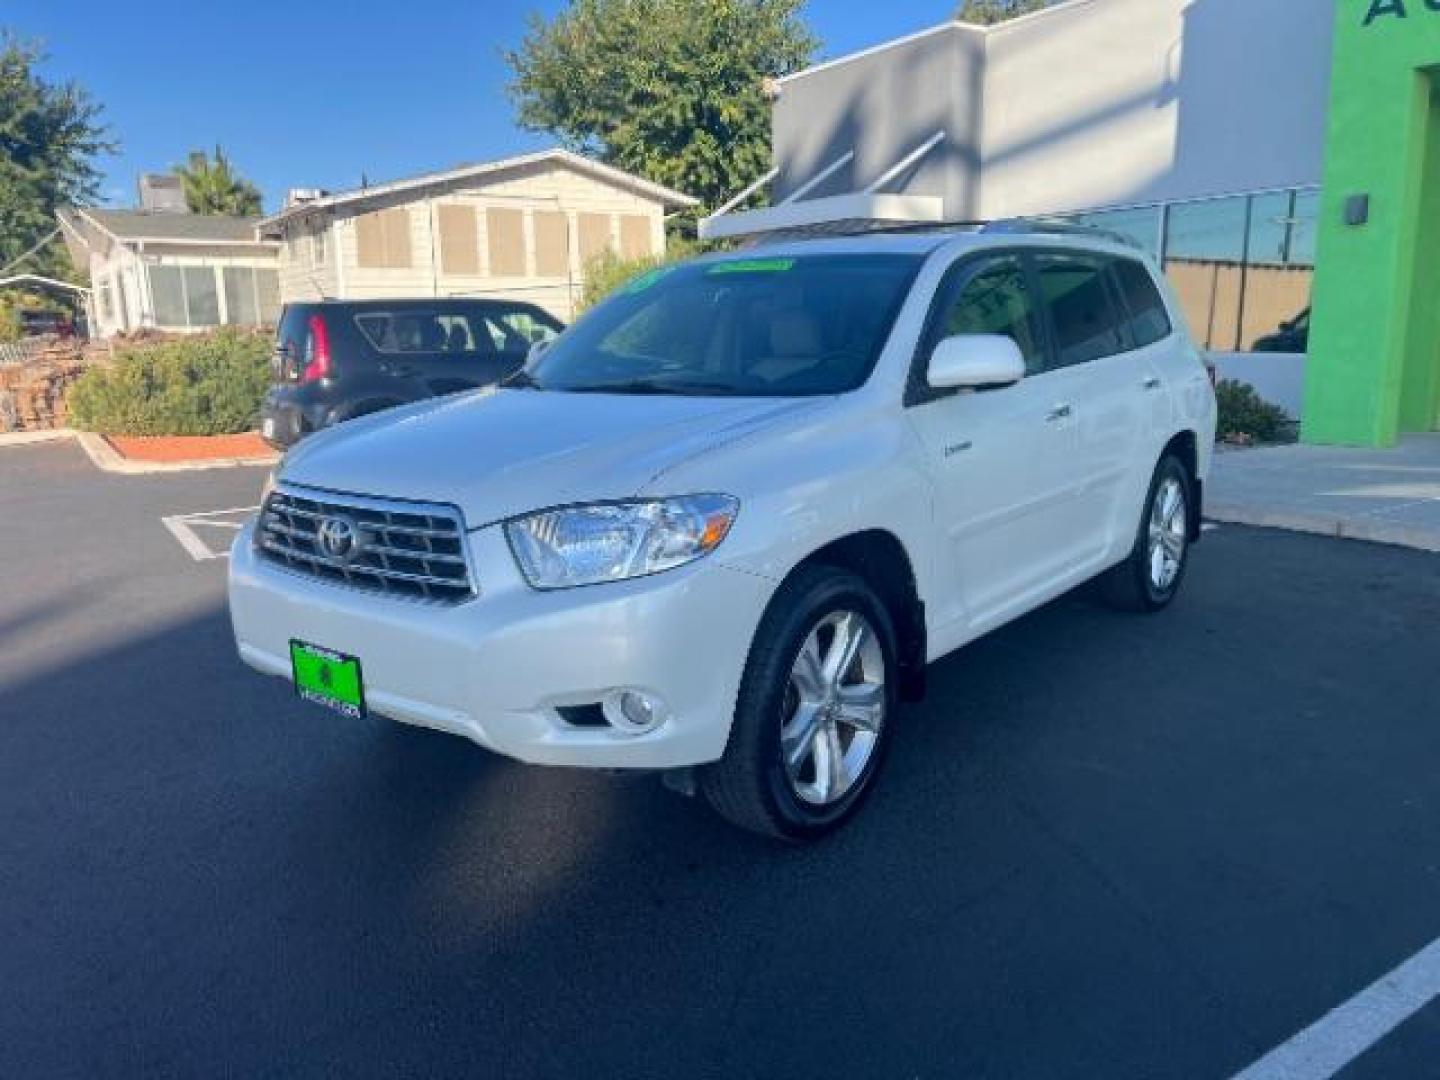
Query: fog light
[[636, 713]]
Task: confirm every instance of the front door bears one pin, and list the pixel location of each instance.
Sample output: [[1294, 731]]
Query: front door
[[1003, 460]]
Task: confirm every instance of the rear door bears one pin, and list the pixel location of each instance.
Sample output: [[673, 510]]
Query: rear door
[[440, 347], [1110, 380]]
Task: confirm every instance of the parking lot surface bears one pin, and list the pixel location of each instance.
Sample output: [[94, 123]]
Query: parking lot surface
[[1106, 846]]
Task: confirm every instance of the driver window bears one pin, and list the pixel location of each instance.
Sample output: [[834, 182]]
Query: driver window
[[998, 300]]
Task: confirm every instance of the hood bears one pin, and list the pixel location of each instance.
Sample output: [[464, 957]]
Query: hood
[[500, 453]]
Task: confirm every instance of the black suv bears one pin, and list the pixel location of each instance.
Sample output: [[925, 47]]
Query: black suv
[[339, 359]]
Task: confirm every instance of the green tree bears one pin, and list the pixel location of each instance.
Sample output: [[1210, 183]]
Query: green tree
[[988, 12], [212, 186], [50, 136], [672, 90]]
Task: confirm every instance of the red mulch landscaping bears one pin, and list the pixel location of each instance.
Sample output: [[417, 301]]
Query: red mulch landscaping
[[169, 449]]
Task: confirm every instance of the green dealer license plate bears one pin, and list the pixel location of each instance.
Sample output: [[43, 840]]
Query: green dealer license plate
[[328, 678]]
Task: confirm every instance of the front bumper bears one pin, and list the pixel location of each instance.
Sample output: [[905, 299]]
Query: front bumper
[[496, 670]]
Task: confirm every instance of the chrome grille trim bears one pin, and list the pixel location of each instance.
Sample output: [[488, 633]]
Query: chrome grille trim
[[408, 550]]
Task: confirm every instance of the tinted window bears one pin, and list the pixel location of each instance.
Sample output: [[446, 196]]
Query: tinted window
[[1087, 325], [425, 332], [1149, 321], [522, 327], [997, 300], [758, 327]]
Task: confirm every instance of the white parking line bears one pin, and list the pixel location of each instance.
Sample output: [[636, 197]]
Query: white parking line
[[187, 530], [192, 544], [1326, 1047]]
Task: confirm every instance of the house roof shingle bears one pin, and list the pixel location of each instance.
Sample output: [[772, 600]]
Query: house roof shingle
[[193, 228]]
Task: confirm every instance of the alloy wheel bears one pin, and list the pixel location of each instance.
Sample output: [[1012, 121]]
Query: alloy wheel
[[1169, 534], [835, 708]]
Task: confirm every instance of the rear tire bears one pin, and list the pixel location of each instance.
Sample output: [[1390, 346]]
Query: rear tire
[[815, 712], [1150, 577]]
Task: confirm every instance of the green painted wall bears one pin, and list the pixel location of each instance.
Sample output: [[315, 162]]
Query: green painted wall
[[1374, 367]]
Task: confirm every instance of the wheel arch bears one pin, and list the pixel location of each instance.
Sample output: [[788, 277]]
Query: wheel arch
[[1185, 446], [880, 558]]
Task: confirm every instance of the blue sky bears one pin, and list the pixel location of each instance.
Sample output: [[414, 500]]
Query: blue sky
[[311, 93]]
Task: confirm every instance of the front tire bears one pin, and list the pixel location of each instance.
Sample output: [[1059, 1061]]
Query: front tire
[[815, 712], [1149, 579]]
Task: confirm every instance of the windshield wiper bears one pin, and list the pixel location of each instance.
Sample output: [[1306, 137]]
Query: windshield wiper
[[652, 386], [519, 380]]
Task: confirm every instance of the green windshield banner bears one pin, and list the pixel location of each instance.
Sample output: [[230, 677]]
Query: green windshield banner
[[752, 266]]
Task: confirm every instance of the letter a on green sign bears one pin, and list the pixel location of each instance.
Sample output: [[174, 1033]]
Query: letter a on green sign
[[1388, 7]]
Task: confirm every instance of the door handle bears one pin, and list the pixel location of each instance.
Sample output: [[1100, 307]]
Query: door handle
[[1058, 413], [1153, 383]]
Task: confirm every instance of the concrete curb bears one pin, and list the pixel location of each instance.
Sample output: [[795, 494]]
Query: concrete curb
[[1370, 529], [104, 457], [30, 438]]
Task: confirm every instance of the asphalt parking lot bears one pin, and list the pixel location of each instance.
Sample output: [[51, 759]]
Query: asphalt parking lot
[[1107, 846]]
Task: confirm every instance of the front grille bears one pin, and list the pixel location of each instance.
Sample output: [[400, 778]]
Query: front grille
[[410, 550]]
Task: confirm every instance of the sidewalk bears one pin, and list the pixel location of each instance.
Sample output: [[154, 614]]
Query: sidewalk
[[1386, 496]]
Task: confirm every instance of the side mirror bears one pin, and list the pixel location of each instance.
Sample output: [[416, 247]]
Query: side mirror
[[972, 361]]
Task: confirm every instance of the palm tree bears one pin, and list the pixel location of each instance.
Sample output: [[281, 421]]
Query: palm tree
[[214, 187]]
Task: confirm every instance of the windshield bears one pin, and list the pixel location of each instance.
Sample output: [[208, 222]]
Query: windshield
[[760, 327]]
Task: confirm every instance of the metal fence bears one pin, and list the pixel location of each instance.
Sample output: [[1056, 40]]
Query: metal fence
[[20, 351]]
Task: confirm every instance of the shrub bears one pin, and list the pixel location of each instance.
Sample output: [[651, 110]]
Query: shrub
[[608, 271], [9, 320], [1247, 417], [202, 385]]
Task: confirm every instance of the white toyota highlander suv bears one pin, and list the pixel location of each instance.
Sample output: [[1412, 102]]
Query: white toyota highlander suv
[[721, 525]]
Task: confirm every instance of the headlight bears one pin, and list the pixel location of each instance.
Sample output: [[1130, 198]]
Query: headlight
[[268, 486], [588, 545]]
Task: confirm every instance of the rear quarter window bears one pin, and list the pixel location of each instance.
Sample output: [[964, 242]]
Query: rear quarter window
[[1149, 322]]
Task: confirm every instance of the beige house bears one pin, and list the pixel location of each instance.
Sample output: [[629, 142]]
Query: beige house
[[523, 228], [171, 270]]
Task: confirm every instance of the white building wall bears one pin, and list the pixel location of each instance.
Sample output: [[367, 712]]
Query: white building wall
[[1115, 102], [127, 301], [1091, 104]]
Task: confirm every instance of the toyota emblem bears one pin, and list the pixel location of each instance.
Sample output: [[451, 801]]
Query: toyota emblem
[[338, 539]]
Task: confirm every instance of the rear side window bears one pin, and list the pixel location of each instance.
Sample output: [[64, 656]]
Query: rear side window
[[517, 330], [425, 332], [530, 329], [1087, 323], [1149, 321]]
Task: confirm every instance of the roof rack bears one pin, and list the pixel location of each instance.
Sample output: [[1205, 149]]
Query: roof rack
[[1019, 226], [1049, 226]]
